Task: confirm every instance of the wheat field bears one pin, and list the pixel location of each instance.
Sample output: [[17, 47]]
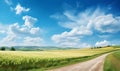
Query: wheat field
[[25, 60]]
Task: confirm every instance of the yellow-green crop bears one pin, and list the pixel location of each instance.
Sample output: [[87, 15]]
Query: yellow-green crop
[[24, 60]]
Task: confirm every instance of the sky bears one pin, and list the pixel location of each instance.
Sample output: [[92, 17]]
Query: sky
[[63, 23]]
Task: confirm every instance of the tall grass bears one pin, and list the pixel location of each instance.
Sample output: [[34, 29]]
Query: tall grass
[[112, 62]]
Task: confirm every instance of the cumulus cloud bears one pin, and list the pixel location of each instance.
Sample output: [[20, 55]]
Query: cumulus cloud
[[85, 24], [27, 28], [69, 40], [78, 25], [29, 21], [17, 34], [35, 30], [18, 30], [19, 9], [64, 38], [107, 23], [102, 43]]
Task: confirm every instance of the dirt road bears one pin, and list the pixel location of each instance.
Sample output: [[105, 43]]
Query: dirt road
[[91, 65]]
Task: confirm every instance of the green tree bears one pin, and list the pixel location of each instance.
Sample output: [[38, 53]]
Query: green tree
[[12, 49], [2, 48]]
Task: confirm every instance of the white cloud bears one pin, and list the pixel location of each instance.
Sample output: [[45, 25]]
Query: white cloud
[[102, 43], [84, 24], [16, 29], [36, 41], [78, 23], [107, 23], [19, 9], [9, 2], [21, 34], [9, 40], [35, 30], [27, 28], [64, 37], [13, 40], [68, 39], [29, 21]]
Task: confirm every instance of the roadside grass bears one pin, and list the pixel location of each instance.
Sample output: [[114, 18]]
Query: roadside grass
[[112, 62]]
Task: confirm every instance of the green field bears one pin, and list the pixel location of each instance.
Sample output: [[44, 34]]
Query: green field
[[27, 60], [112, 62]]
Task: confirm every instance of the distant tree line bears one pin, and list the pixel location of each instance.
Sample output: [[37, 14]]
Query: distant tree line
[[5, 48], [96, 47]]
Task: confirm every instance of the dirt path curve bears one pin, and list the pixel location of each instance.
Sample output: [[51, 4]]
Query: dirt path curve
[[95, 64]]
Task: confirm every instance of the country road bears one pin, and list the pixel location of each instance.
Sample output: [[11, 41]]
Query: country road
[[95, 64]]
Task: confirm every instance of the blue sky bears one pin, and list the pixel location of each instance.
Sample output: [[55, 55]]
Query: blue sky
[[66, 23]]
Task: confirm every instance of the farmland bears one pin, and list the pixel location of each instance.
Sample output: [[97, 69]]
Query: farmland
[[27, 60]]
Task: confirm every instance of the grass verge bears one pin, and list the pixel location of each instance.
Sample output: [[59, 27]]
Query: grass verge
[[112, 62]]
